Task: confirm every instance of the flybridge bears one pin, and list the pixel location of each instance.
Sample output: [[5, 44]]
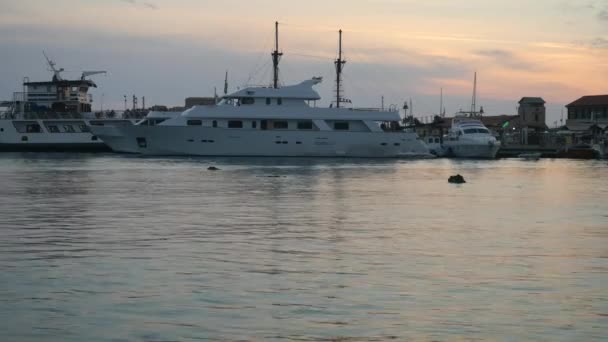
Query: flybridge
[[301, 91]]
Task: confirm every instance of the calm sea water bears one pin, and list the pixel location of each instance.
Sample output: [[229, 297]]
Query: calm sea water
[[119, 248]]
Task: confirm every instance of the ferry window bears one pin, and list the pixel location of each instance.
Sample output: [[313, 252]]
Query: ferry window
[[254, 124], [305, 125], [48, 89], [235, 124], [247, 100], [280, 125], [341, 126], [195, 122], [268, 101], [33, 128], [68, 128], [214, 123], [279, 101]]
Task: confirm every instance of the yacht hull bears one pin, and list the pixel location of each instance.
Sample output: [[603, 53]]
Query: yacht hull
[[482, 151], [208, 141]]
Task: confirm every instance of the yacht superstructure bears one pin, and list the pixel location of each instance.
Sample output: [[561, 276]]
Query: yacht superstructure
[[53, 116], [271, 121]]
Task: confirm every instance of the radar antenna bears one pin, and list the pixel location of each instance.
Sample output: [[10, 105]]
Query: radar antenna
[[56, 72], [90, 73]]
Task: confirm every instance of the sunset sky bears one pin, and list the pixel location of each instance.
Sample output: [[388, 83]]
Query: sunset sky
[[169, 50]]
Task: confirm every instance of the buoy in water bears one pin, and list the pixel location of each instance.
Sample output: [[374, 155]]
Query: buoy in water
[[458, 179], [212, 168]]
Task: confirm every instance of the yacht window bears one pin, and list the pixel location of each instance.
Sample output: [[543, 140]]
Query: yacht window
[[195, 122], [305, 125], [247, 100], [254, 124], [68, 128], [483, 130], [235, 124], [470, 131], [279, 101], [263, 125], [84, 128], [280, 125], [268, 101], [341, 126], [214, 123]]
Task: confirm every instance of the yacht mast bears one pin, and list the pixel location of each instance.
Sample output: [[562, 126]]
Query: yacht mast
[[473, 104], [441, 102], [226, 84], [276, 56], [339, 66]]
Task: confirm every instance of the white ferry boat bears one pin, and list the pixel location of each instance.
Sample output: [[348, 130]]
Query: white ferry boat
[[272, 121], [53, 116]]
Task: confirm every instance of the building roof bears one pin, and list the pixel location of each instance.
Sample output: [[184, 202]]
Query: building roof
[[591, 100], [532, 100]]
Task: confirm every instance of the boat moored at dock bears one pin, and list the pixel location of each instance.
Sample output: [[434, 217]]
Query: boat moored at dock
[[273, 121], [54, 116]]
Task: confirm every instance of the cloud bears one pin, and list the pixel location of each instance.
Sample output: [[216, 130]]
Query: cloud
[[599, 43], [143, 4], [150, 5], [507, 59]]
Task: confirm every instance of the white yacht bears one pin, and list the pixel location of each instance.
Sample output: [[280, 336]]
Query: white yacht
[[469, 138], [259, 121], [53, 116], [271, 121]]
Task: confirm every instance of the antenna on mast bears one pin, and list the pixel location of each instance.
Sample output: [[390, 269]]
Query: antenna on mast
[[276, 56], [473, 104], [56, 72], [339, 66]]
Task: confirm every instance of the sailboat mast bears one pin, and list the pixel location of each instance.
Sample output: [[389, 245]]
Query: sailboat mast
[[276, 56], [473, 104], [339, 66]]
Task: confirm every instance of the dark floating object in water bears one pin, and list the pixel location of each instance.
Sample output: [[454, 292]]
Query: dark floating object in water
[[212, 168], [458, 179]]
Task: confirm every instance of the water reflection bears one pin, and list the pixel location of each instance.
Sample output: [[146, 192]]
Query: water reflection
[[127, 248]]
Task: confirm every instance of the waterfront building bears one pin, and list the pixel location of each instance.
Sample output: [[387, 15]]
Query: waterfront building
[[588, 114]]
